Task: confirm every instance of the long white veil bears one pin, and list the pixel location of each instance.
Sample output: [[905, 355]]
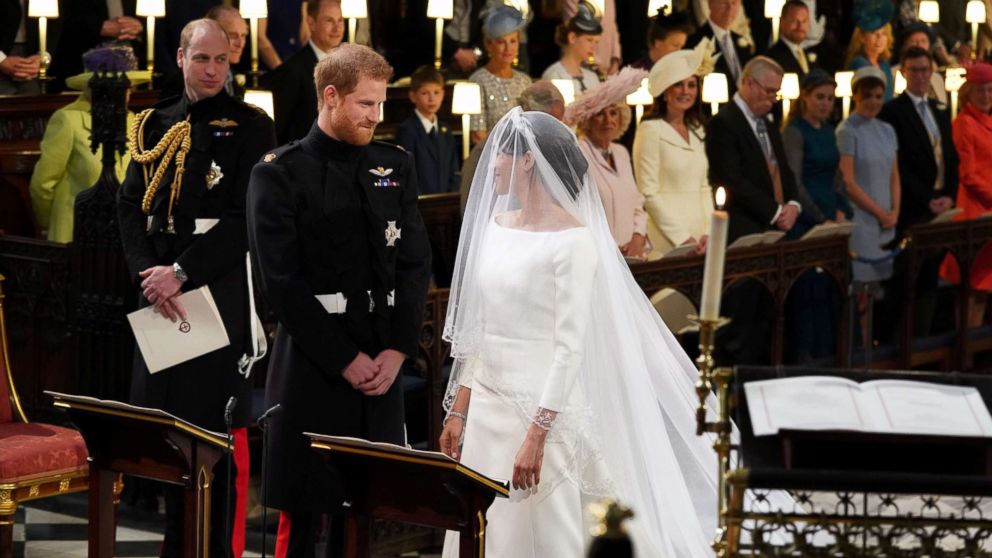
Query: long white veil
[[632, 434]]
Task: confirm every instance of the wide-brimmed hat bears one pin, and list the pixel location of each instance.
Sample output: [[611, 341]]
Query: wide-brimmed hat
[[979, 73], [679, 65], [503, 20], [611, 92], [115, 58]]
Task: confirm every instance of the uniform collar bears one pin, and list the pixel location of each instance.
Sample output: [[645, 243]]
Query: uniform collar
[[324, 144], [203, 107]]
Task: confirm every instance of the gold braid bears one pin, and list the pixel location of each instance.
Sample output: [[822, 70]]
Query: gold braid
[[177, 138]]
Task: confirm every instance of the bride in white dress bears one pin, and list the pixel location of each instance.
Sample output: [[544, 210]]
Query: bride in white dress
[[566, 382]]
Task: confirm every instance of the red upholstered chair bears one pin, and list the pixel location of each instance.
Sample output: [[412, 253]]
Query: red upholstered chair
[[36, 460]]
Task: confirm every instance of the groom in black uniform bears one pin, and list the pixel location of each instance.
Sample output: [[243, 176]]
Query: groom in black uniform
[[342, 256], [185, 230]]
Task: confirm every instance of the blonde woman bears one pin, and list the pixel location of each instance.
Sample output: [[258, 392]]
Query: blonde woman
[[871, 43]]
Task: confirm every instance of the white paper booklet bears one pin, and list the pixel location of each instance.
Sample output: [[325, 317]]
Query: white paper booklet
[[767, 237], [879, 406], [947, 215], [165, 343], [829, 229]]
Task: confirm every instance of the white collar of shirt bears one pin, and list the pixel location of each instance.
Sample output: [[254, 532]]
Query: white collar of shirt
[[916, 100], [427, 124], [718, 32], [793, 47], [320, 54], [752, 120]]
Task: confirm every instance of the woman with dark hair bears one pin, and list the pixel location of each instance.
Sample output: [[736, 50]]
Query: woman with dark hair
[[578, 38], [670, 152], [565, 379], [667, 33], [870, 171]]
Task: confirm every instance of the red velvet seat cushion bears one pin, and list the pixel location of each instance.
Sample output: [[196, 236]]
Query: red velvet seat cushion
[[33, 450]]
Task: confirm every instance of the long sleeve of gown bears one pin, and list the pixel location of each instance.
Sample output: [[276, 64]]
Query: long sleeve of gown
[[574, 268]]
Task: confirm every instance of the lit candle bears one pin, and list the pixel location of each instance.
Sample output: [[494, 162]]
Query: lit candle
[[716, 249]]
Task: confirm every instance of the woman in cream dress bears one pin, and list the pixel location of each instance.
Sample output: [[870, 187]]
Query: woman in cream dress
[[670, 154]]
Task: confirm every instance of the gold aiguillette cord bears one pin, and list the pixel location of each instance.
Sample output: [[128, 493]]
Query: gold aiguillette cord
[[175, 143]]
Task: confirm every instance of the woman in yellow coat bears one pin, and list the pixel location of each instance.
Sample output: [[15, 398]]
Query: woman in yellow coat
[[67, 166]]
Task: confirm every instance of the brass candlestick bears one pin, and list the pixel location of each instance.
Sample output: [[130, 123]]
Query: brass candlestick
[[709, 376]]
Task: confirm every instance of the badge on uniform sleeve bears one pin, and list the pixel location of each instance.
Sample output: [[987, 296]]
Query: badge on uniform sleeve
[[383, 181], [214, 175], [392, 233]]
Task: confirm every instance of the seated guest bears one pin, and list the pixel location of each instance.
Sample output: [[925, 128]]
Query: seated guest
[[237, 33], [292, 86], [670, 153], [67, 166], [666, 34], [433, 146], [973, 139], [541, 96], [577, 38], [871, 43], [811, 148], [90, 23], [746, 156], [19, 60], [500, 83], [870, 170], [919, 36], [601, 116], [788, 51], [734, 55]]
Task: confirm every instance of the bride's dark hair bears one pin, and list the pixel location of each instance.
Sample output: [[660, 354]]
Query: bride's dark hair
[[558, 145]]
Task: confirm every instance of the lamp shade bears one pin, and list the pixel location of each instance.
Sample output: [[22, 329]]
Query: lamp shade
[[900, 84], [467, 98], [954, 79], [522, 6], [444, 9], [975, 12], [150, 8], [262, 100], [715, 89], [843, 80], [790, 86], [43, 8], [773, 8], [567, 89], [254, 9], [929, 11], [655, 5], [356, 9], [641, 97]]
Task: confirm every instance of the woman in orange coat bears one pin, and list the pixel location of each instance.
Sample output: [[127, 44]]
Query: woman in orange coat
[[973, 140]]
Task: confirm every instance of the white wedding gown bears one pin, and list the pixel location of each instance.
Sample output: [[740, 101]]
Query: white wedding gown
[[536, 287]]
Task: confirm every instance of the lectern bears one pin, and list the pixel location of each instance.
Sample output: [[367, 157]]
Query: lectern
[[146, 443], [385, 481]]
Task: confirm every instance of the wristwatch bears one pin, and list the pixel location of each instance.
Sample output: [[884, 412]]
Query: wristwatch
[[177, 270]]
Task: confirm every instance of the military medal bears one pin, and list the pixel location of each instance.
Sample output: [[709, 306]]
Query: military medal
[[214, 175], [392, 233]]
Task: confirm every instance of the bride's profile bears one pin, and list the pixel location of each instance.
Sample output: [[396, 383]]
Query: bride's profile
[[566, 382]]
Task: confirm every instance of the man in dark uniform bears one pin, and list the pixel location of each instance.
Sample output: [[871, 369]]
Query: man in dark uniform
[[188, 231], [343, 259]]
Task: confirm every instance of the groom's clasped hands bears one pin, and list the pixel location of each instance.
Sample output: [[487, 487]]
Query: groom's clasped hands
[[374, 376]]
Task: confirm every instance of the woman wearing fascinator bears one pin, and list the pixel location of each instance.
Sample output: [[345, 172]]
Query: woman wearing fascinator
[[566, 381]]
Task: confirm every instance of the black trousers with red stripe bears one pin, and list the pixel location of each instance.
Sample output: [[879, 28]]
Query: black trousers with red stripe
[[221, 544], [299, 531]]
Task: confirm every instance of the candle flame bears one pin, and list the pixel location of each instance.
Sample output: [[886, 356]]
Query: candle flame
[[721, 197]]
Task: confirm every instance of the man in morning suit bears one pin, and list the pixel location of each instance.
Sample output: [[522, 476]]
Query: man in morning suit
[[342, 256], [184, 231], [928, 169], [293, 96], [747, 158], [717, 29], [788, 51]]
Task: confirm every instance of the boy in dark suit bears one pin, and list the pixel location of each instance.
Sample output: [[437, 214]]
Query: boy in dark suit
[[432, 145]]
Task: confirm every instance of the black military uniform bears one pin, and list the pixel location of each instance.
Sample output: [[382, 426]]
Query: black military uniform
[[206, 236], [343, 258]]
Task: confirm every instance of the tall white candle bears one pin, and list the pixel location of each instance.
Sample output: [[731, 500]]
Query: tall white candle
[[716, 249]]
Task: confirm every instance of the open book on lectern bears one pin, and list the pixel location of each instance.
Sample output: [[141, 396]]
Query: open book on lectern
[[877, 406]]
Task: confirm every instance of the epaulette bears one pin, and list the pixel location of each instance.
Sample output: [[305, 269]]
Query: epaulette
[[387, 144], [280, 151]]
